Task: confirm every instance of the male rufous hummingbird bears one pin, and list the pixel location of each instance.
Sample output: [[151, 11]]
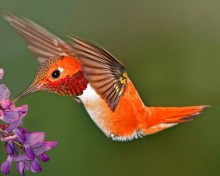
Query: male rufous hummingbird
[[93, 76]]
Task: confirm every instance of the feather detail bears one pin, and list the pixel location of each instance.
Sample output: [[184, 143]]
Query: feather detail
[[41, 42], [105, 73]]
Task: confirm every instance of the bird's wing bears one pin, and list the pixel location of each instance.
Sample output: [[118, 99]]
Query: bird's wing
[[43, 43], [105, 73]]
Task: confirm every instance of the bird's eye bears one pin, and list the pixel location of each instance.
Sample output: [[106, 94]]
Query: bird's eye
[[56, 74]]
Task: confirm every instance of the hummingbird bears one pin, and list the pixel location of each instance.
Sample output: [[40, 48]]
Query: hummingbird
[[94, 77]]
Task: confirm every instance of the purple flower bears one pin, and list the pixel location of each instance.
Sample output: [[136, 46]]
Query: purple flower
[[23, 147], [31, 147]]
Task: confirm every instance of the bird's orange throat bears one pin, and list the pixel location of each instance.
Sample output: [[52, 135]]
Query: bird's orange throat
[[68, 86]]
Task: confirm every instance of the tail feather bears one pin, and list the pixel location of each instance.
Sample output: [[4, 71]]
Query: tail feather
[[164, 117]]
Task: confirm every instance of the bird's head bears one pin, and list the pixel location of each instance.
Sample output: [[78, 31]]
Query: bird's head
[[61, 75]]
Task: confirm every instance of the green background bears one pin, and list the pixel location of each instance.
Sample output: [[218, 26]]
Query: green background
[[171, 50]]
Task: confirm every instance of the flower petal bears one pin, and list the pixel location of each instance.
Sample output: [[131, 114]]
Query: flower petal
[[9, 116], [35, 138], [21, 134], [19, 158], [45, 146], [16, 123], [44, 157], [49, 145], [29, 153], [35, 166], [10, 148], [5, 104], [20, 167], [21, 109], [4, 92], [6, 165]]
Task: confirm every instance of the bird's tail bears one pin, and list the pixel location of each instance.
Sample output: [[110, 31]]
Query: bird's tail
[[164, 117]]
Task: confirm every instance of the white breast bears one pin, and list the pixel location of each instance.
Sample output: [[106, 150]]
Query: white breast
[[94, 106]]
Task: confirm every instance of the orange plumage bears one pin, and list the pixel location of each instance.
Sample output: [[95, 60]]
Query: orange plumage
[[93, 76], [132, 119]]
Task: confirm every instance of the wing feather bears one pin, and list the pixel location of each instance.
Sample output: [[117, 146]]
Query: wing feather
[[41, 42], [105, 73]]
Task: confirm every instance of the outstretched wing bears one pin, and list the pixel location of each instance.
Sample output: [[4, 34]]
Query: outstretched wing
[[104, 72], [40, 41]]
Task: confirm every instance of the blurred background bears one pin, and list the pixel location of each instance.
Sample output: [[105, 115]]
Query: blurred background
[[171, 50]]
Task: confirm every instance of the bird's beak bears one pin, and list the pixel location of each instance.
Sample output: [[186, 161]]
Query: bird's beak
[[31, 89]]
